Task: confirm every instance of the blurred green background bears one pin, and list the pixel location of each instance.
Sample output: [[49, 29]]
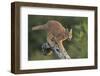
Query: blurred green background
[[76, 48]]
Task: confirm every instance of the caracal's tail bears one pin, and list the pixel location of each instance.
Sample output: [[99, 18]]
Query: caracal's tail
[[40, 27]]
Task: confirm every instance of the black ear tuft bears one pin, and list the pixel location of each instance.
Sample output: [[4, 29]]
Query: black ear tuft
[[66, 27]]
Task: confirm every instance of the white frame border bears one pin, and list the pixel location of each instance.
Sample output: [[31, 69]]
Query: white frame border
[[25, 64]]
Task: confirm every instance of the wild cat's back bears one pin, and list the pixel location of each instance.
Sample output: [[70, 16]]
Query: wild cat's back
[[55, 27]]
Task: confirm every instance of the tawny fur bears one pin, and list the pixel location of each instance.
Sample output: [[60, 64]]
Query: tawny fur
[[55, 28]]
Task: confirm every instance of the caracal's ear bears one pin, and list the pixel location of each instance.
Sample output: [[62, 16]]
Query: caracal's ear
[[66, 29], [70, 31]]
